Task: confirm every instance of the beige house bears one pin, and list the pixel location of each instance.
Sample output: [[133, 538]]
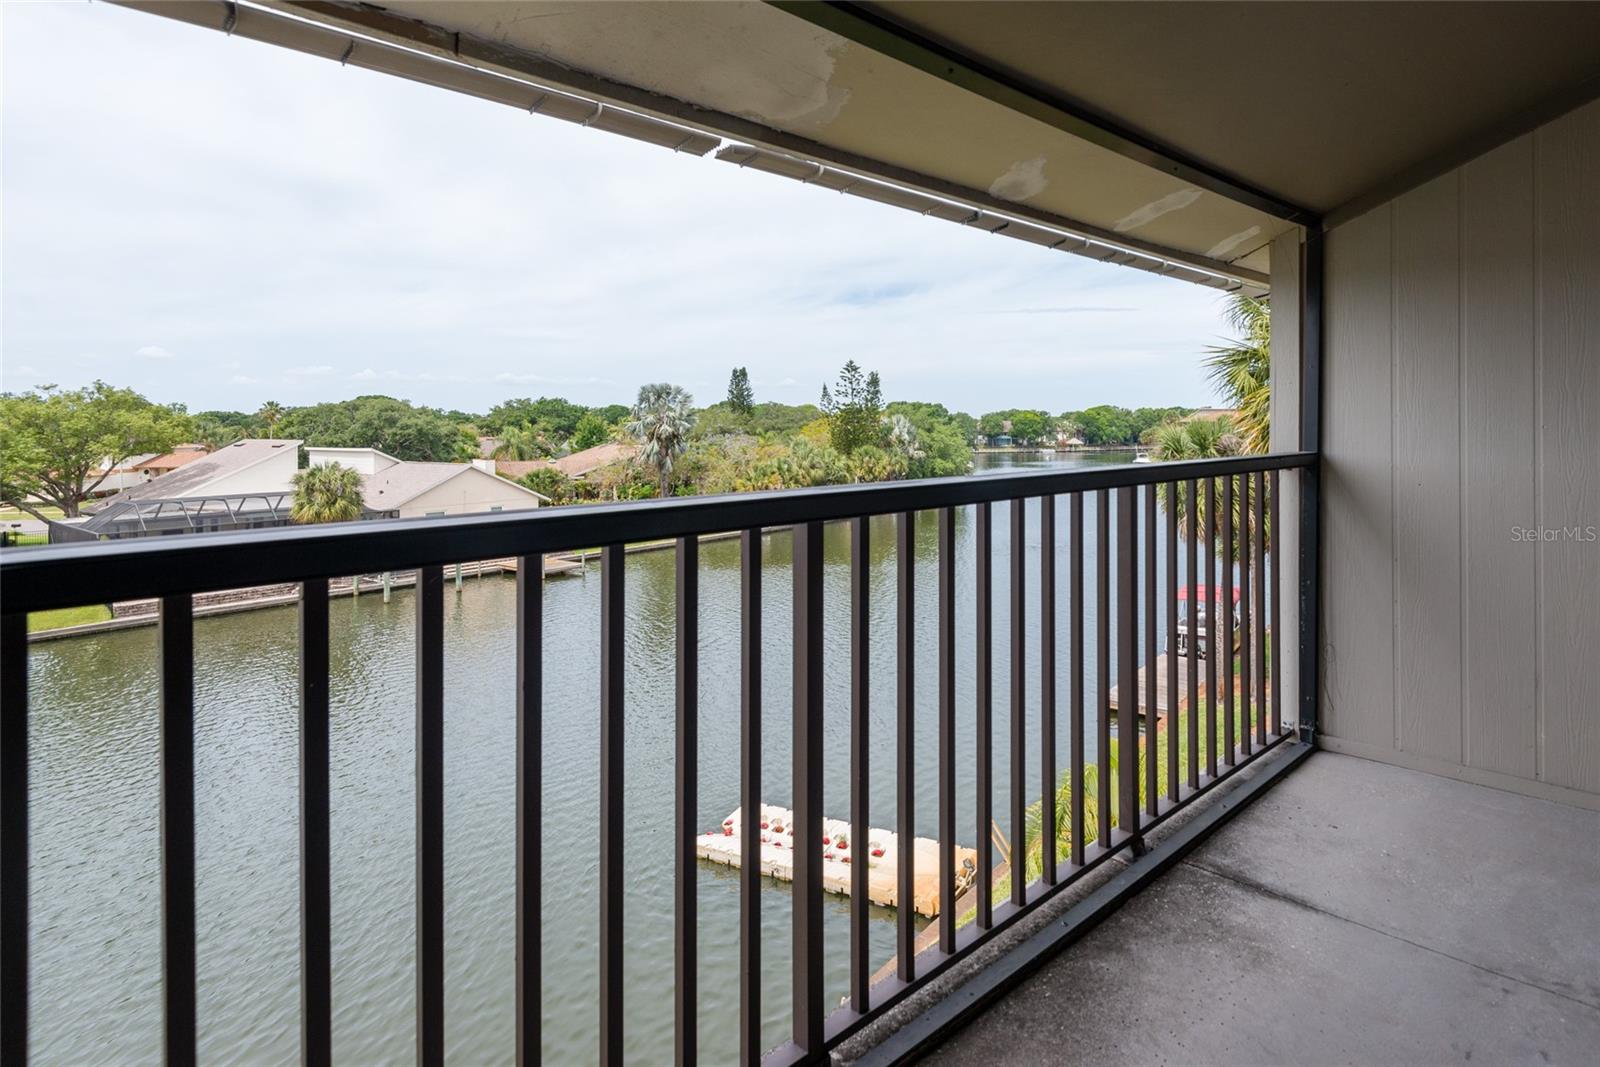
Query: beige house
[[396, 488]]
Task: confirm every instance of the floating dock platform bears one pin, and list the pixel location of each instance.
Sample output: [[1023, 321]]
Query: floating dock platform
[[840, 853]]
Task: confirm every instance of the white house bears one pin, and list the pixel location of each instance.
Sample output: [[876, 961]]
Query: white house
[[396, 488]]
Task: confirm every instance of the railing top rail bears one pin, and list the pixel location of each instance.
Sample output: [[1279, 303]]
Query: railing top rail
[[55, 576]]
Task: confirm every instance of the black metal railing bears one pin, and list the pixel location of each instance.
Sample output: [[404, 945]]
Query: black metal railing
[[1232, 507]]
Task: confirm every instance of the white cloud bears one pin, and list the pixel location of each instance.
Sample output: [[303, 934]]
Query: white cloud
[[479, 293], [154, 352]]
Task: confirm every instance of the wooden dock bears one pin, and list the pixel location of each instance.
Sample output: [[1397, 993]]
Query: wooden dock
[[553, 565], [1163, 698], [839, 855]]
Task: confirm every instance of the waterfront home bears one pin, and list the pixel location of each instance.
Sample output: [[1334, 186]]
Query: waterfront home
[[124, 475], [155, 466], [251, 465], [404, 489], [1376, 845]]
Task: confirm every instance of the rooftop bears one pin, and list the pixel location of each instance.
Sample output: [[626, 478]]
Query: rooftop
[[580, 463], [191, 478], [172, 460]]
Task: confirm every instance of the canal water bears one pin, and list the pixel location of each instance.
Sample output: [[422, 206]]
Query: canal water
[[96, 932]]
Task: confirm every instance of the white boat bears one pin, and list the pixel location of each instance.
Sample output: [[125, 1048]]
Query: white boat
[[1142, 457]]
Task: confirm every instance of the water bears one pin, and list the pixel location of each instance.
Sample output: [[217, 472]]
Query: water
[[96, 932]]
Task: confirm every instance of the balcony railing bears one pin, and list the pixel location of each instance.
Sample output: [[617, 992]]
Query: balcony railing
[[1139, 544]]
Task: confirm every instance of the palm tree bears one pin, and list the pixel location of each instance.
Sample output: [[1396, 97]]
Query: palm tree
[[903, 436], [661, 420], [269, 415], [521, 442], [327, 493], [1196, 439], [1242, 369]]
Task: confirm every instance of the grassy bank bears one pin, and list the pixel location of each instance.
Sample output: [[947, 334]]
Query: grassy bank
[[55, 620]]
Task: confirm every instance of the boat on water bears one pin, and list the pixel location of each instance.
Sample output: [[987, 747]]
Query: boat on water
[[1142, 457], [1209, 606]]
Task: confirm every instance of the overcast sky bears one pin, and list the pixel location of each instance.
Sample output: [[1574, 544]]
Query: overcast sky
[[220, 222]]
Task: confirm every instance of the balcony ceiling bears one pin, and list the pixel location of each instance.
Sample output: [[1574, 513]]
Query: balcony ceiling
[[1299, 105], [1317, 103]]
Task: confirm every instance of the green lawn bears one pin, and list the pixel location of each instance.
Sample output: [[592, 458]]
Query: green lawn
[[18, 515], [55, 620]]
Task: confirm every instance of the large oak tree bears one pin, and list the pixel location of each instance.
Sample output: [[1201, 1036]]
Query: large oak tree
[[58, 445]]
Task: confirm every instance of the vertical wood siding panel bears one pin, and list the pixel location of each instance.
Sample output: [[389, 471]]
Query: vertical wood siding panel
[[1497, 455], [1357, 485], [1568, 281], [1427, 469]]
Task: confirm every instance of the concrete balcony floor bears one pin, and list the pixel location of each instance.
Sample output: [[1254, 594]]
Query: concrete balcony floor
[[1356, 913]]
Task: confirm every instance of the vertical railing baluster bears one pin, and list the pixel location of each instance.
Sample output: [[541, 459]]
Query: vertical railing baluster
[[806, 752], [1047, 686], [1152, 686], [1192, 660], [1102, 663], [430, 815], [176, 638], [316, 973], [687, 763], [1172, 645], [14, 837], [983, 535], [1080, 793], [860, 673], [1224, 621], [1275, 694], [1246, 666], [905, 703], [530, 787], [1128, 662], [947, 731], [1224, 562], [612, 875], [750, 798], [1019, 696], [1258, 587]]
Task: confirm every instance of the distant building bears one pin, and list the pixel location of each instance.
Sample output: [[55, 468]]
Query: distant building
[[156, 466], [253, 465], [124, 475], [580, 465], [246, 485], [250, 485], [396, 488], [577, 466]]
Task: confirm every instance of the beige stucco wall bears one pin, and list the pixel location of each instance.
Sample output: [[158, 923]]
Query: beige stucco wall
[[468, 493], [1461, 485]]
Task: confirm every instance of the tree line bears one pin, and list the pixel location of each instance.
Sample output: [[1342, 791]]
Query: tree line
[[57, 446]]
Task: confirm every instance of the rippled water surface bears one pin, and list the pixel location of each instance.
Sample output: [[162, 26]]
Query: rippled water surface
[[96, 862]]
